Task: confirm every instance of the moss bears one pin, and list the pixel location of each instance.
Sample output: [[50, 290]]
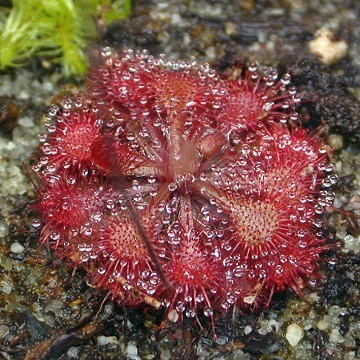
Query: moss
[[58, 30]]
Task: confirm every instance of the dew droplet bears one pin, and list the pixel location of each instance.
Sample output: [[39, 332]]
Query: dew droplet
[[180, 307], [36, 223], [190, 313], [208, 311]]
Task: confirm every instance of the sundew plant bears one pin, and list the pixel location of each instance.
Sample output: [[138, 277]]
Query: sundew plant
[[177, 186]]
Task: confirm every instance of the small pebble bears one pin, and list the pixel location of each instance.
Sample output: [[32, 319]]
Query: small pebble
[[323, 324], [336, 141], [26, 122], [336, 337], [221, 340], [247, 330], [74, 304], [165, 354], [294, 333], [73, 352], [17, 248], [4, 330], [230, 28], [327, 48], [173, 316], [6, 286], [131, 350], [352, 243], [107, 340]]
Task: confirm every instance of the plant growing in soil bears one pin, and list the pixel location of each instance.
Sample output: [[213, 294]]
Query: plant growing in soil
[[179, 187], [58, 30]]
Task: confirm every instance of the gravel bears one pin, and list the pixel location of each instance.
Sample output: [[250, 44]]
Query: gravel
[[323, 324]]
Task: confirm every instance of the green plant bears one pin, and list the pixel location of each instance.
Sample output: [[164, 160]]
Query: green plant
[[56, 29], [17, 38]]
